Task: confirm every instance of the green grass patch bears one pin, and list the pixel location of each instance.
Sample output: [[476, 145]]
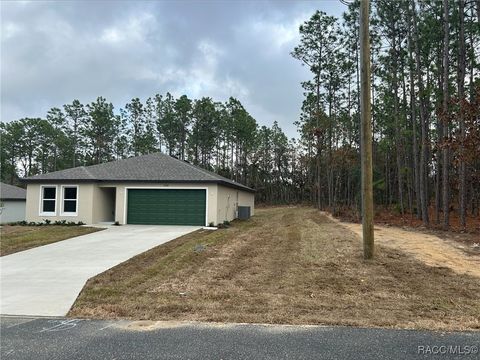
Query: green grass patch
[[14, 238]]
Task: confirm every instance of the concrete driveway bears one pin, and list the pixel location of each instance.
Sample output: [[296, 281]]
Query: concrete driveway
[[46, 280]]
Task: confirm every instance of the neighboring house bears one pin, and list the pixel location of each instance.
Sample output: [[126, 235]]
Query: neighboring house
[[12, 203], [147, 189]]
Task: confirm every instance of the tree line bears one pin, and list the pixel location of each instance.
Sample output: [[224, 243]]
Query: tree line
[[425, 109], [222, 137]]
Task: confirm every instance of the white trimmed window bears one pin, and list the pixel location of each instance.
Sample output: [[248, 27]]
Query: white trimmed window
[[70, 200], [48, 201]]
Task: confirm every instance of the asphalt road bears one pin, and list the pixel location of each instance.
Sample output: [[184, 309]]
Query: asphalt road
[[60, 338]]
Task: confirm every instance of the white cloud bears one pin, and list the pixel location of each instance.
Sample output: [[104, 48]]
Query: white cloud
[[10, 30], [135, 29], [54, 52], [111, 35], [201, 79], [276, 35]]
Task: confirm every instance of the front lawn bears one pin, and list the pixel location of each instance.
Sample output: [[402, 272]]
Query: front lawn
[[14, 238], [287, 265]]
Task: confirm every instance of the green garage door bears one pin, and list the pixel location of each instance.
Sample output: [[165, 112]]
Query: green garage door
[[166, 207]]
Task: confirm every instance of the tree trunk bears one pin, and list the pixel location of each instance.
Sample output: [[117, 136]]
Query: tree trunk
[[461, 98], [317, 115], [416, 169], [396, 114], [478, 11], [75, 140], [423, 173], [445, 152], [438, 177]]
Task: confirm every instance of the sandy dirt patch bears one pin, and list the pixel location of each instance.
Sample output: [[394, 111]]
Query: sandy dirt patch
[[428, 248]]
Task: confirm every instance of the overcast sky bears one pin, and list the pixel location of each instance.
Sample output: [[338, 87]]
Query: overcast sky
[[57, 51]]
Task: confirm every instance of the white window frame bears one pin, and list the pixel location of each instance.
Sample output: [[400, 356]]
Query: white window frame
[[40, 208], [62, 204]]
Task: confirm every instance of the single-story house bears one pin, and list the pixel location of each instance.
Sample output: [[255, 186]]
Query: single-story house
[[12, 203], [147, 189]]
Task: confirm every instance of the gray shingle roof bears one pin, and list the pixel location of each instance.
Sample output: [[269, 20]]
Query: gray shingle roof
[[10, 192], [156, 167]]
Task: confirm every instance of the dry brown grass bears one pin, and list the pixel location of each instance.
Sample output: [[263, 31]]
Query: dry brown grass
[[14, 238], [288, 265]]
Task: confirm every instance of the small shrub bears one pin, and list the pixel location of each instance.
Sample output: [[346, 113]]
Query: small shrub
[[71, 223], [19, 223], [226, 223], [116, 223], [80, 223], [397, 209], [211, 224], [32, 223], [47, 221]]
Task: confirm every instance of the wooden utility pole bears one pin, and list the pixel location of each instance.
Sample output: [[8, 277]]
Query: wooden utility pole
[[366, 132]]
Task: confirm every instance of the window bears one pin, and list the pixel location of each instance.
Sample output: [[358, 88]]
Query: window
[[48, 200], [70, 200]]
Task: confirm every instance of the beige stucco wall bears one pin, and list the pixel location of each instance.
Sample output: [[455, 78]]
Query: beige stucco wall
[[227, 204], [93, 205], [103, 200], [247, 199], [228, 199], [85, 204]]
